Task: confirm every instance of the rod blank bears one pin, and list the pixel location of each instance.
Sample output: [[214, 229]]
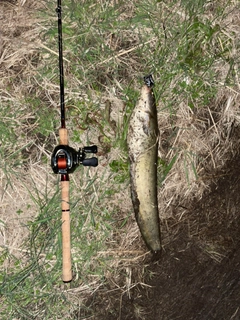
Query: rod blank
[[61, 71]]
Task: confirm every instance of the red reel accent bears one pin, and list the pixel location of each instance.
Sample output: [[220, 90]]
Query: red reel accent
[[62, 163]]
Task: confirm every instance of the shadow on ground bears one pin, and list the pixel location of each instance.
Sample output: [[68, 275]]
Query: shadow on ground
[[198, 276]]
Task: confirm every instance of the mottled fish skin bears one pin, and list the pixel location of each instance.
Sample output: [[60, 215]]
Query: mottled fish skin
[[143, 147]]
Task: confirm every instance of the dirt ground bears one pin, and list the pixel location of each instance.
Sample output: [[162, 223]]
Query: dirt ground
[[198, 275]]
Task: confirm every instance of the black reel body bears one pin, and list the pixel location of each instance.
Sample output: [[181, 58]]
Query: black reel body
[[66, 159]]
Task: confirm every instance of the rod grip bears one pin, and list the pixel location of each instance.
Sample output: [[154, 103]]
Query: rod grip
[[63, 136], [66, 234]]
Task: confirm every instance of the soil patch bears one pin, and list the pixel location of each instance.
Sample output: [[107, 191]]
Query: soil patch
[[198, 275]]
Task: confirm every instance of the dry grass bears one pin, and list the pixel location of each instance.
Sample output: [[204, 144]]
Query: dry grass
[[202, 139], [19, 52]]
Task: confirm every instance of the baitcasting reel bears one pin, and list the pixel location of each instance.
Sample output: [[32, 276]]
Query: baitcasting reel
[[66, 159]]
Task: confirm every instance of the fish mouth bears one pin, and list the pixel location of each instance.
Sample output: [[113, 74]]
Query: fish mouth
[[148, 80]]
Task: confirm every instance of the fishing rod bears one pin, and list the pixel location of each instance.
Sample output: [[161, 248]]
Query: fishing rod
[[65, 160]]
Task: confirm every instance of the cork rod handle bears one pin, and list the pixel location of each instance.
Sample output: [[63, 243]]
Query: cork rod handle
[[66, 231]]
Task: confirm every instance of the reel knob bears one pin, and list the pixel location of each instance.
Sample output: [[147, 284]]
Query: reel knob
[[90, 162], [91, 149]]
